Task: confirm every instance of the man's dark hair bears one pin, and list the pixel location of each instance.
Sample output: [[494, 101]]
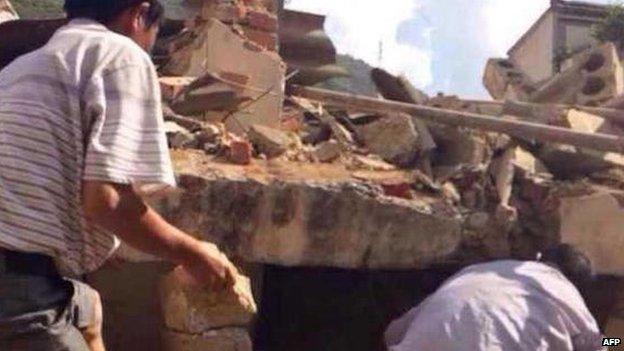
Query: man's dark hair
[[572, 263], [105, 11]]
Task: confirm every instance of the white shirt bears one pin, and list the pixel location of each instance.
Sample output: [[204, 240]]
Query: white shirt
[[86, 106], [502, 305]]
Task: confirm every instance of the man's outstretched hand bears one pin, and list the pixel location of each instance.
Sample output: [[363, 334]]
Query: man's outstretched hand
[[208, 267]]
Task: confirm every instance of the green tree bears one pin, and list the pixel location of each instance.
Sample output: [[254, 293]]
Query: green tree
[[611, 27]]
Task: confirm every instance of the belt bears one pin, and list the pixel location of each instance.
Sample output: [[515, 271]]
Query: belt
[[22, 263]]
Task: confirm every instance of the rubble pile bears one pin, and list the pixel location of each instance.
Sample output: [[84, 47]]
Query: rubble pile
[[502, 195], [278, 179]]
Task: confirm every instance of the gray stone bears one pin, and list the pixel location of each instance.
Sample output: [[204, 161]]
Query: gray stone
[[394, 138], [269, 141], [458, 147], [327, 151]]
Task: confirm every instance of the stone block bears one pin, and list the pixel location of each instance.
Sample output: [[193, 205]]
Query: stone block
[[459, 147], [197, 310], [270, 142], [594, 224], [228, 339], [394, 138], [216, 48], [327, 151], [503, 80]]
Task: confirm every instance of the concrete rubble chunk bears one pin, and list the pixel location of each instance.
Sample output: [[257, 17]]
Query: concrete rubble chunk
[[594, 224], [227, 339], [327, 151], [459, 147], [569, 161], [297, 214], [211, 92], [394, 138], [195, 310], [7, 12], [503, 80], [592, 77], [215, 47], [270, 142]]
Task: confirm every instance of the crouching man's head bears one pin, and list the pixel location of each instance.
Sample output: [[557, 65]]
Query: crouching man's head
[[136, 19], [572, 263]]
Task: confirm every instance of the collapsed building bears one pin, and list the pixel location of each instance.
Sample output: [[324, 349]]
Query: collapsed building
[[344, 211]]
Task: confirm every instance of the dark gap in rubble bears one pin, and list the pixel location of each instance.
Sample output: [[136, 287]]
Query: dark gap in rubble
[[505, 64], [593, 85], [312, 309], [594, 63]]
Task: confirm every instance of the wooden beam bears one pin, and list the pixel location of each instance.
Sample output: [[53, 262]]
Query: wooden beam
[[516, 128], [612, 114]]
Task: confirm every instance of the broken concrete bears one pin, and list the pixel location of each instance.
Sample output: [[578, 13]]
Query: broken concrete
[[211, 92], [503, 80], [270, 142], [569, 161], [594, 224], [216, 48], [310, 215], [328, 151], [593, 77], [459, 147], [393, 137]]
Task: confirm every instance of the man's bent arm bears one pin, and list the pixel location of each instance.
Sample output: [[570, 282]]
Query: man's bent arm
[[119, 209]]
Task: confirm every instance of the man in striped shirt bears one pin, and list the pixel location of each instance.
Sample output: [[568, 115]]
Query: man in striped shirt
[[81, 129]]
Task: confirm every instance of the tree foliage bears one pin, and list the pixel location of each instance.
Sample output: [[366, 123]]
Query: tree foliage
[[611, 28]]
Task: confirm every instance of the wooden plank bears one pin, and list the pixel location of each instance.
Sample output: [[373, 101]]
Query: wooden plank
[[516, 128]]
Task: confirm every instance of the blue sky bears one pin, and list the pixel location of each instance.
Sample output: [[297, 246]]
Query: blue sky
[[441, 45]]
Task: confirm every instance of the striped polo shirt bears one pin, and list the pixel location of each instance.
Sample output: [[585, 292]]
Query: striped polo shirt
[[86, 106]]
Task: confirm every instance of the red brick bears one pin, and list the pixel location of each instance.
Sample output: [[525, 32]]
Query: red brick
[[402, 190], [264, 39], [262, 20], [240, 152]]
